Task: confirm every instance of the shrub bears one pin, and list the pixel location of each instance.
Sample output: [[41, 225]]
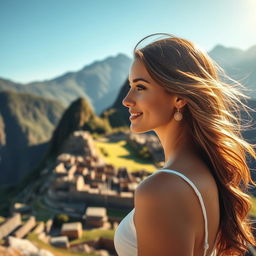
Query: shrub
[[104, 151], [144, 153], [59, 219]]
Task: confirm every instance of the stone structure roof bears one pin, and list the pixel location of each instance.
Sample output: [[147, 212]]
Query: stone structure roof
[[71, 226], [96, 212]]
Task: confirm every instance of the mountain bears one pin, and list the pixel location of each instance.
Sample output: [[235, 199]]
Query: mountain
[[238, 64], [33, 129], [99, 82], [26, 124], [117, 114], [78, 116], [9, 85], [226, 55]]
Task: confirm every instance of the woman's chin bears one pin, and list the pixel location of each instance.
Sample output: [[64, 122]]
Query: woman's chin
[[135, 129]]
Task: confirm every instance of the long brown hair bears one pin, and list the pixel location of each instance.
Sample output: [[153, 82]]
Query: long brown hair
[[213, 113]]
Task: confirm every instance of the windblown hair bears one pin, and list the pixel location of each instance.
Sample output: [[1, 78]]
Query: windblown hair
[[213, 113]]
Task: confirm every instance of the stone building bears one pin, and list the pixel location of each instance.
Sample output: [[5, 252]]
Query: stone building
[[83, 178], [95, 216], [79, 143], [60, 241], [72, 230]]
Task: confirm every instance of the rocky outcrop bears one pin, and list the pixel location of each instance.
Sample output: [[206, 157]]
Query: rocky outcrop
[[79, 143]]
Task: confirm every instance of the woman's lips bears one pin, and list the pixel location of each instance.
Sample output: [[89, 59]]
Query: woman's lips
[[133, 116]]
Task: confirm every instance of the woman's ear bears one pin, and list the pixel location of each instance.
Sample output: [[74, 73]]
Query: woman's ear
[[179, 102]]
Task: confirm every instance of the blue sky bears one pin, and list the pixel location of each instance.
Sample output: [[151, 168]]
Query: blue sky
[[42, 39]]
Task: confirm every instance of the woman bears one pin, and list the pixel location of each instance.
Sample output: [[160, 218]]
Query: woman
[[195, 204]]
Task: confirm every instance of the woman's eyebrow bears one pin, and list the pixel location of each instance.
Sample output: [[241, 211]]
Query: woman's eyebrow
[[140, 79]]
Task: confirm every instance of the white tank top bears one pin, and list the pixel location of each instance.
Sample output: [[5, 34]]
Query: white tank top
[[125, 239]]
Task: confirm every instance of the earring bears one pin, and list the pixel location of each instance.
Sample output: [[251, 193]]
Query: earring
[[178, 115]]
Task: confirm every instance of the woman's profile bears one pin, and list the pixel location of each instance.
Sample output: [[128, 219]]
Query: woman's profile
[[197, 203]]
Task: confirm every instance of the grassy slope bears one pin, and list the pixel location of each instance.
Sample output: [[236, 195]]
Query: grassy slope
[[94, 234], [120, 155]]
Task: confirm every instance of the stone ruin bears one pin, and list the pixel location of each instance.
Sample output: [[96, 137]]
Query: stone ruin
[[79, 143], [80, 181], [81, 176]]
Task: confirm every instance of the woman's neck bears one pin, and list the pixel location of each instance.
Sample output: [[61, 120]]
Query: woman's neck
[[176, 142]]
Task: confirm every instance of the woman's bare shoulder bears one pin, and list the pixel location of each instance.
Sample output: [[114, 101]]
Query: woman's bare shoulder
[[171, 191], [158, 182], [163, 210]]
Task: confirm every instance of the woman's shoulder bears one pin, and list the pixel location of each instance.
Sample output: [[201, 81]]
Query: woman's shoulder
[[166, 204], [173, 187], [168, 199], [166, 188], [161, 180]]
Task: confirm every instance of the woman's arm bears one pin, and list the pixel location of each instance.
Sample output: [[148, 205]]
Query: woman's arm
[[164, 216]]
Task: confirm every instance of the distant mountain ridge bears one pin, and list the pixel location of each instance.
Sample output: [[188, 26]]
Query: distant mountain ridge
[[26, 124], [238, 64], [98, 82], [101, 81], [232, 56]]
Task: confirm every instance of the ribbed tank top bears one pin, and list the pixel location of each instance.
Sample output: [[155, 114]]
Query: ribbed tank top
[[125, 239]]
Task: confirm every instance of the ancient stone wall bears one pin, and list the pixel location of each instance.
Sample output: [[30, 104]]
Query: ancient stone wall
[[26, 228], [10, 225]]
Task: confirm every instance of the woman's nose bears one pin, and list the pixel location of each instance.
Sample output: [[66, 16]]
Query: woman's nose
[[128, 101]]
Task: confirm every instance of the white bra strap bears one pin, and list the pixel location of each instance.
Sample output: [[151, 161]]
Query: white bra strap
[[206, 244]]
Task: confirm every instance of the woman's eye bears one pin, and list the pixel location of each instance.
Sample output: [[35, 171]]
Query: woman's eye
[[140, 87]]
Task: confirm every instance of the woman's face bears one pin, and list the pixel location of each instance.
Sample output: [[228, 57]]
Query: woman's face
[[150, 105]]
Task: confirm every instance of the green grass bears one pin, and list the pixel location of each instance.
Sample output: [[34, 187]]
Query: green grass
[[94, 234], [55, 251], [120, 155]]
